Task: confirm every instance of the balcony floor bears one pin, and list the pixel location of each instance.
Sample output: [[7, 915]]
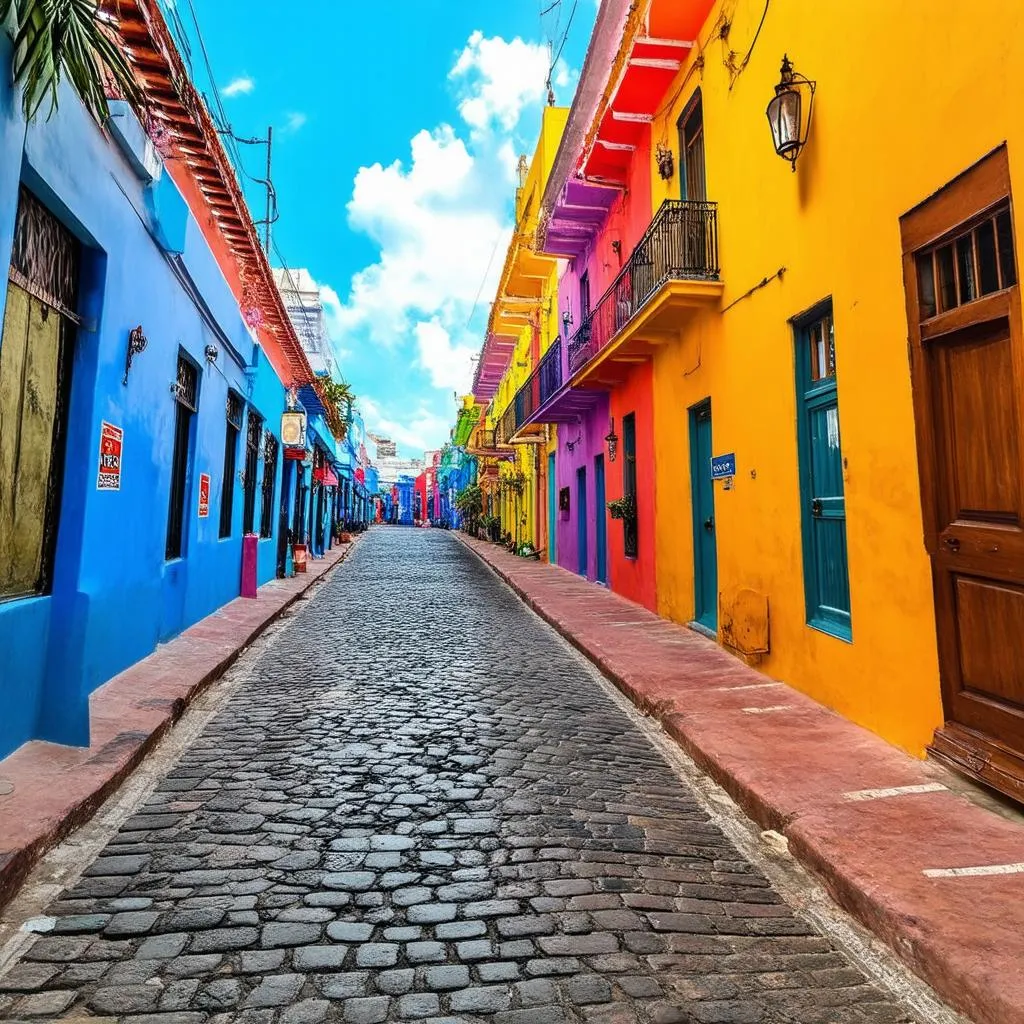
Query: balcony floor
[[658, 321]]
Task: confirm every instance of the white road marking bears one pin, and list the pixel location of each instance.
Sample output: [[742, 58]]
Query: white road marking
[[984, 869], [881, 794]]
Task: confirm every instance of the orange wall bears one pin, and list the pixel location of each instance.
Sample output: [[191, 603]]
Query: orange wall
[[634, 577]]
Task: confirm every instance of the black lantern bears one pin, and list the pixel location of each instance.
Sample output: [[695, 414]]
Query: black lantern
[[612, 440], [785, 112]]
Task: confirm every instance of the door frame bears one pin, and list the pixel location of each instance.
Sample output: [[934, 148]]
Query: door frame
[[980, 188], [693, 414], [600, 518], [582, 538], [552, 510]]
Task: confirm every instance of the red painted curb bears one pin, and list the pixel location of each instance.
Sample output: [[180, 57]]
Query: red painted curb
[[790, 764], [58, 788]]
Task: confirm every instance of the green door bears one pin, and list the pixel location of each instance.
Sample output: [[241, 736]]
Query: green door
[[705, 549], [823, 503]]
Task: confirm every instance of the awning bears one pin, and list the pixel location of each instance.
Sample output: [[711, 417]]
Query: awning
[[325, 476]]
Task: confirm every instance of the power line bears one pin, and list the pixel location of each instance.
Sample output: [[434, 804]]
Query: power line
[[565, 36]]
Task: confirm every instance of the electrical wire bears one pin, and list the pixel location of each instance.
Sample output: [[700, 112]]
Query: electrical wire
[[750, 49], [565, 36]]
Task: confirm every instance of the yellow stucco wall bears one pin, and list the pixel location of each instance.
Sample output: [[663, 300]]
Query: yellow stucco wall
[[905, 101]]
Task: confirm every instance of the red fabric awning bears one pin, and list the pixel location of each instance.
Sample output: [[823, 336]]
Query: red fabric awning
[[325, 476]]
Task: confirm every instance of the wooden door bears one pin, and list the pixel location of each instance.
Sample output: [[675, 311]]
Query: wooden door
[[581, 521], [967, 357]]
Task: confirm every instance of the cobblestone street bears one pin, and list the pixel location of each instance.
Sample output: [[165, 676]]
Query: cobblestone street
[[402, 816]]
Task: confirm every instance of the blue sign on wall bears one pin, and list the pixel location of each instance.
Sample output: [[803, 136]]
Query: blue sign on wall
[[723, 466]]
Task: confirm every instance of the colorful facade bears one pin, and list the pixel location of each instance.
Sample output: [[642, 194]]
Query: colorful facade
[[145, 363], [832, 506]]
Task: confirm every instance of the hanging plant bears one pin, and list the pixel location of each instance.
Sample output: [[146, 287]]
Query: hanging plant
[[623, 508]]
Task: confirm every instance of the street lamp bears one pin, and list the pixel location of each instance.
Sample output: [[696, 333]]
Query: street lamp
[[612, 440], [785, 112]]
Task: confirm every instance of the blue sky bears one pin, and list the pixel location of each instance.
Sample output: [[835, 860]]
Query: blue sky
[[397, 126]]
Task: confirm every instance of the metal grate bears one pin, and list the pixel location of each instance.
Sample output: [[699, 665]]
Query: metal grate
[[270, 448], [235, 408], [680, 244], [185, 394], [253, 438], [45, 256], [186, 386]]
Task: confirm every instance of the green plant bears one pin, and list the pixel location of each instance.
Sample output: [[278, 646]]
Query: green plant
[[54, 38], [470, 504], [623, 508]]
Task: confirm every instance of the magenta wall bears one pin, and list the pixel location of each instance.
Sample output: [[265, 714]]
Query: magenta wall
[[591, 431]]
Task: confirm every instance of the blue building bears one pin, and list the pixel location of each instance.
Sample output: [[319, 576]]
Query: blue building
[[139, 416]]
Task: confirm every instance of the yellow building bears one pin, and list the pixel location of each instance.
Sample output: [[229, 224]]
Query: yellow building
[[525, 320], [867, 542]]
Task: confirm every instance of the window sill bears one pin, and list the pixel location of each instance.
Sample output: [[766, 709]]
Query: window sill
[[840, 630]]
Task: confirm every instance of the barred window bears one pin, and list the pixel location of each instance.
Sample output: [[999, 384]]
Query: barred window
[[270, 447]]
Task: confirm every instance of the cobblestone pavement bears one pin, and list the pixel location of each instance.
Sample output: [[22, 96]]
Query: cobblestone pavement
[[420, 806]]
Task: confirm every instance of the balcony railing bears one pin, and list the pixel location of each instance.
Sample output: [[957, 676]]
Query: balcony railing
[[681, 244], [485, 440], [545, 380], [506, 425]]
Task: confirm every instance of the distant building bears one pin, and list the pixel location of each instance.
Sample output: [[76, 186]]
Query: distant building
[[305, 308]]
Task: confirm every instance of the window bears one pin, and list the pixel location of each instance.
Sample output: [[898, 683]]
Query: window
[[269, 479], [35, 370], [185, 398], [971, 264], [584, 296], [253, 437], [691, 151], [235, 407], [823, 502], [630, 538]]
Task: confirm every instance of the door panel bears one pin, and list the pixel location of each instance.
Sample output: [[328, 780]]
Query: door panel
[[552, 512], [601, 536], [705, 551], [977, 412], [978, 549], [581, 520]]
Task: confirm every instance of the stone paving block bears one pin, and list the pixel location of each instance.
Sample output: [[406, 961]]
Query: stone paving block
[[453, 811]]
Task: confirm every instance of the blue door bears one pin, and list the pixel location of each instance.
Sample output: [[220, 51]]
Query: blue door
[[581, 519], [705, 550], [601, 534], [826, 569], [552, 510]]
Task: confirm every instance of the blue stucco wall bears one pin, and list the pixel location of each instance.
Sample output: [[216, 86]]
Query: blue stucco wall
[[113, 596]]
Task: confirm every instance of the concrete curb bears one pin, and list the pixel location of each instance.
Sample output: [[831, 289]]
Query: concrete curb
[[58, 789], [793, 771]]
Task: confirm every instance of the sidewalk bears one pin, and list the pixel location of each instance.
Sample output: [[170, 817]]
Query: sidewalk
[[57, 788], [890, 857]]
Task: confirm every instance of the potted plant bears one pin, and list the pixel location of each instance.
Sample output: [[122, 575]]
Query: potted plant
[[623, 508]]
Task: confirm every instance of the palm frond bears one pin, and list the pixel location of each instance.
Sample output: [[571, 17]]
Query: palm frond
[[66, 37]]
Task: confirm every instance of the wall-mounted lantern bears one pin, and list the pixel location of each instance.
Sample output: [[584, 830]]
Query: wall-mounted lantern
[[785, 112], [136, 343], [566, 321], [211, 353], [666, 162], [612, 440]]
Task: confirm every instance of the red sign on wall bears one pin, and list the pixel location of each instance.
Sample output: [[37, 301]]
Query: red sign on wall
[[111, 446], [204, 495]]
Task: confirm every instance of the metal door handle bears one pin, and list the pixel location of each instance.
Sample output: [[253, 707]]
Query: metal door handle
[[816, 507], [953, 543], [709, 523]]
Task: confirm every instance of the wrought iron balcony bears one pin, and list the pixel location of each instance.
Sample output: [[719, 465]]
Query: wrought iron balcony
[[680, 244], [545, 380], [506, 425]]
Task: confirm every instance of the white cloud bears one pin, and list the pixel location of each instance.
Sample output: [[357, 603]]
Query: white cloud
[[441, 218], [500, 79], [241, 86], [449, 365], [295, 121], [419, 432]]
